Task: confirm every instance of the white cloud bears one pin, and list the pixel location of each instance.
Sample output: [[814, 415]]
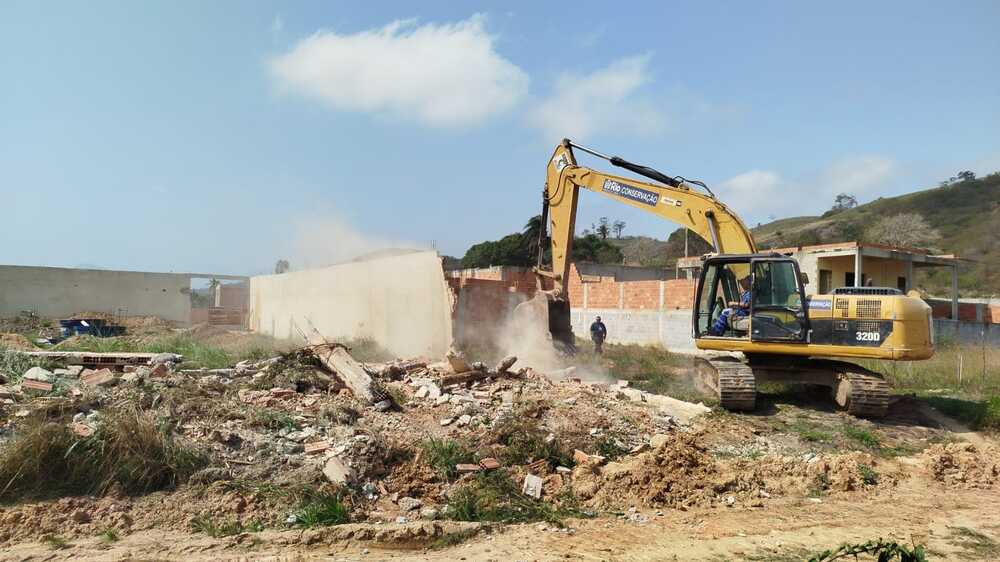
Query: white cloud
[[442, 75], [857, 176], [758, 195], [607, 99], [750, 193]]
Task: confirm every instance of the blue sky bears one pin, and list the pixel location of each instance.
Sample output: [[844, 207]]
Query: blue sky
[[221, 136]]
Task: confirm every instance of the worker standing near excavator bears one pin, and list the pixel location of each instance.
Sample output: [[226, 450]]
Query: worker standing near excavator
[[598, 333]]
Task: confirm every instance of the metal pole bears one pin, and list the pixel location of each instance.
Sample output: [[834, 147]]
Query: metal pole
[[857, 266], [954, 292]]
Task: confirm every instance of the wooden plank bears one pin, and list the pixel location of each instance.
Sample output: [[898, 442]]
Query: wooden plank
[[335, 358]]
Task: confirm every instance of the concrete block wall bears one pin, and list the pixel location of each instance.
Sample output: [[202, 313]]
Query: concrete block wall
[[400, 301], [669, 328], [56, 292], [971, 333]]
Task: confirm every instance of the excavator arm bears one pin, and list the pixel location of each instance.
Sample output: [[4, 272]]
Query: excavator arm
[[674, 200]]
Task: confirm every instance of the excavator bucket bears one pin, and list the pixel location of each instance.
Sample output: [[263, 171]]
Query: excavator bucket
[[546, 317]]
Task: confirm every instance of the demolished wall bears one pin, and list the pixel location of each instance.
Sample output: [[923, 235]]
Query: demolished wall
[[57, 292], [400, 301]]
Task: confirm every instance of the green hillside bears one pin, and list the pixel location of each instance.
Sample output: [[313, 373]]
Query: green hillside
[[966, 214]]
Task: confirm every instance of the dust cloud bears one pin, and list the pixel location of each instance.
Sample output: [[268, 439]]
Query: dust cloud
[[525, 334], [328, 240]]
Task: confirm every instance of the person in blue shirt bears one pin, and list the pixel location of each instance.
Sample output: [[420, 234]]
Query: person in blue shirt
[[736, 310], [598, 333]]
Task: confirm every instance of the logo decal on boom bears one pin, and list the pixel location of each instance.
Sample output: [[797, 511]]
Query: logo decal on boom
[[631, 192]]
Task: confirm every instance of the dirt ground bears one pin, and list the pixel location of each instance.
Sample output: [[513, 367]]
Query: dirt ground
[[790, 480], [954, 523]]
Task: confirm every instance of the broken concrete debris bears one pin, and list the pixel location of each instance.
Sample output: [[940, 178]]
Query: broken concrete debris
[[337, 471], [532, 486], [325, 424], [38, 374]]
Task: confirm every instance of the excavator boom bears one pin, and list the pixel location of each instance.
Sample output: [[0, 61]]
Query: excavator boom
[[672, 198]]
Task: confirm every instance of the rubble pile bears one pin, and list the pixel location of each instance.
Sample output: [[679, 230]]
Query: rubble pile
[[396, 440]]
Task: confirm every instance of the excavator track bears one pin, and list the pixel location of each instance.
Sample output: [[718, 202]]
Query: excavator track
[[857, 390], [861, 393], [731, 380]]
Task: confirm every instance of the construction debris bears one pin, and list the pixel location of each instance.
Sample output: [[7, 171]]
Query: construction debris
[[353, 374]]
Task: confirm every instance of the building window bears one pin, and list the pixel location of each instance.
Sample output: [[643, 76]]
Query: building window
[[825, 281], [849, 279], [901, 283]]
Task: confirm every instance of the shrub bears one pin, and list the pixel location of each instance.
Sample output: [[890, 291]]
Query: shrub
[[128, 450]]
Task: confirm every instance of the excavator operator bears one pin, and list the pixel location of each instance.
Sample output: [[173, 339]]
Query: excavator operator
[[737, 310]]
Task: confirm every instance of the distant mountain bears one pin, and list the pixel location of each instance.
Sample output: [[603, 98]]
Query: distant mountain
[[966, 214]]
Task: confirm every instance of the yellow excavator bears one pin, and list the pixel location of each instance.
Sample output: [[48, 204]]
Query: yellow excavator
[[746, 301]]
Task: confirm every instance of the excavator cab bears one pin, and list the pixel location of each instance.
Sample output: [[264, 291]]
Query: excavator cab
[[776, 311]]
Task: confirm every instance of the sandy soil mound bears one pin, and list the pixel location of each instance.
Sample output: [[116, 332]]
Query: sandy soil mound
[[679, 472], [963, 464]]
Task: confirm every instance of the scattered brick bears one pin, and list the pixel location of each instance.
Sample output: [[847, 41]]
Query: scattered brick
[[465, 467], [489, 463], [580, 457], [317, 447], [282, 392], [541, 465], [103, 377], [36, 387], [159, 371]]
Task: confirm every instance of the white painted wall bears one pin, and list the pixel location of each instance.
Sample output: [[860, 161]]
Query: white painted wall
[[669, 328], [400, 301], [56, 292]]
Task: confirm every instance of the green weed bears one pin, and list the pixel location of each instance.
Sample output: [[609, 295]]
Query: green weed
[[862, 436], [978, 414], [868, 474], [272, 419], [882, 550], [525, 441], [444, 454], [322, 510], [810, 433], [206, 525], [495, 497]]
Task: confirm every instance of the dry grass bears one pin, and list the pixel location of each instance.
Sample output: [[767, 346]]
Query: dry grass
[[130, 451]]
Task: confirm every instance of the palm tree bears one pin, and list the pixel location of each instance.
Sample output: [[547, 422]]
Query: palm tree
[[533, 230]]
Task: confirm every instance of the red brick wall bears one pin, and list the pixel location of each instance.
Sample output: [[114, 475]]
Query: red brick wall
[[605, 292], [679, 293], [966, 311]]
